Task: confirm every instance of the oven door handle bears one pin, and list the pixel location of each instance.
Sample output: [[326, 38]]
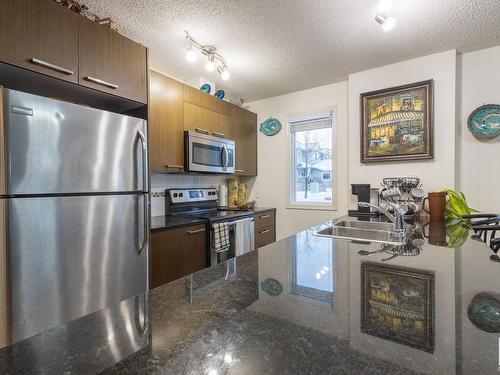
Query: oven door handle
[[225, 157]]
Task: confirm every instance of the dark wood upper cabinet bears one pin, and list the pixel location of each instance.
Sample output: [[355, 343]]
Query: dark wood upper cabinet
[[176, 253], [166, 123], [110, 62], [41, 36], [244, 133]]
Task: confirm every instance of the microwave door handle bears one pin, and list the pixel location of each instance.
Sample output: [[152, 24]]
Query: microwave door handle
[[225, 158]]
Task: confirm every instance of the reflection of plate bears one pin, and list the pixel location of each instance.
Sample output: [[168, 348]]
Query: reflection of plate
[[270, 127], [484, 311], [484, 122], [272, 287], [206, 88], [219, 94]]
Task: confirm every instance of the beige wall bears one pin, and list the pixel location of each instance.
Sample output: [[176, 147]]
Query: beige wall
[[270, 187], [478, 173], [435, 174]]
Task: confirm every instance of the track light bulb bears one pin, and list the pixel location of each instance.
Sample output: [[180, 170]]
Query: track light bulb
[[210, 63], [191, 55], [225, 75]]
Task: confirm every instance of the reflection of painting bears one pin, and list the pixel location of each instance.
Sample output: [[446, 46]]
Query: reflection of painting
[[397, 123], [398, 304]]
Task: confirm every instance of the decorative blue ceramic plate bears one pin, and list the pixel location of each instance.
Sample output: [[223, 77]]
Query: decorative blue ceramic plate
[[484, 122], [270, 127], [484, 311], [206, 88], [219, 94], [272, 287]]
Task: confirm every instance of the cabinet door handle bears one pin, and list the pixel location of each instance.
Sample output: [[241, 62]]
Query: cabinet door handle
[[50, 66], [101, 82], [217, 134], [265, 231], [195, 231], [239, 170], [174, 166], [264, 216]]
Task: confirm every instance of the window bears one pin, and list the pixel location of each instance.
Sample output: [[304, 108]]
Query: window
[[311, 156], [313, 267]]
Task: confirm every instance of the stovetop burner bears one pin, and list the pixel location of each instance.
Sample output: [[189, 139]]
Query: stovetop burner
[[200, 203], [485, 227], [217, 214]]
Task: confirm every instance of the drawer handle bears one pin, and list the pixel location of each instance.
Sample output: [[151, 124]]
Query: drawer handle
[[47, 65], [239, 170], [101, 82], [265, 231], [195, 231], [264, 216], [174, 166]]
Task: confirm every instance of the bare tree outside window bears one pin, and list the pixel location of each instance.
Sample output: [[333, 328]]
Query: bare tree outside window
[[312, 152]]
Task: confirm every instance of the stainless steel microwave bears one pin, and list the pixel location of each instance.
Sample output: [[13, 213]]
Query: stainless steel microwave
[[207, 153]]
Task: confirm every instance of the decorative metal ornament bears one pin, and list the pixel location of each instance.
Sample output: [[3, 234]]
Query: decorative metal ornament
[[272, 287], [219, 94], [206, 88], [270, 127], [484, 122], [484, 312]]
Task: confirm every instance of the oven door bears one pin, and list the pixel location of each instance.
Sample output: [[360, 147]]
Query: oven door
[[241, 240], [205, 153]]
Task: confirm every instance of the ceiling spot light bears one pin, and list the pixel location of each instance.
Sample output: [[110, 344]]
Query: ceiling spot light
[[384, 6], [387, 23]]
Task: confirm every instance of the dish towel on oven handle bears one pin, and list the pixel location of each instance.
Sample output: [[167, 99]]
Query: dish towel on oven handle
[[221, 237]]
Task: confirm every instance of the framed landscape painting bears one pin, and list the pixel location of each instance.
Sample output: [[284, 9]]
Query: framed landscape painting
[[397, 304], [396, 123]]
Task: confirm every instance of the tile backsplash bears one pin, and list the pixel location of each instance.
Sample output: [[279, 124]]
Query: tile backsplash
[[160, 182]]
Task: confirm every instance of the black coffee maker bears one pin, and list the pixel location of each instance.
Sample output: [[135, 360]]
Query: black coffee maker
[[363, 191]]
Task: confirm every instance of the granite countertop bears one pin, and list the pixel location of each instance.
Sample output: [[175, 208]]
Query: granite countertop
[[171, 221], [302, 305]]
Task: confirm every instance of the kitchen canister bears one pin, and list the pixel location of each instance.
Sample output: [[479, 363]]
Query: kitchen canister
[[242, 194], [232, 192], [437, 203]]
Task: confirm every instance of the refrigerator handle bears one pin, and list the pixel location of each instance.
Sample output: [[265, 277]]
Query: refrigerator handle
[[144, 160], [141, 244]]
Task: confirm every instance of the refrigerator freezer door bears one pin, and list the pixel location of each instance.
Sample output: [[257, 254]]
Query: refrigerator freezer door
[[71, 256], [58, 147]]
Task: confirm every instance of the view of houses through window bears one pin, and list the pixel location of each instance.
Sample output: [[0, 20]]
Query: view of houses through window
[[312, 153]]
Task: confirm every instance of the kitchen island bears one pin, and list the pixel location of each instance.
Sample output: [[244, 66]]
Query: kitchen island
[[302, 305]]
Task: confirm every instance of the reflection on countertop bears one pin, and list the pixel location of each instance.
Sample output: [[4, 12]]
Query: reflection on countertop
[[302, 305]]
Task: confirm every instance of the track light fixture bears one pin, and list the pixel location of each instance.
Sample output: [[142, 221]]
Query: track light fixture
[[214, 60]]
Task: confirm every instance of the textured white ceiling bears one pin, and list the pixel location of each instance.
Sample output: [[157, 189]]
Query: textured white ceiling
[[274, 47]]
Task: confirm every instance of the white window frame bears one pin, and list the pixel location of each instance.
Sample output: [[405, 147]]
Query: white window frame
[[320, 206]]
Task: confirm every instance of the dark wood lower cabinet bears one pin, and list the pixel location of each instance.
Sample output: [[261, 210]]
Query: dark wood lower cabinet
[[265, 227], [176, 253]]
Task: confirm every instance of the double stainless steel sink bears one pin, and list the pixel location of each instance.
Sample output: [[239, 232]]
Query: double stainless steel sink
[[363, 231]]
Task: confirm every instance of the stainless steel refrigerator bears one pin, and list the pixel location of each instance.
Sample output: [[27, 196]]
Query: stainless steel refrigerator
[[74, 211]]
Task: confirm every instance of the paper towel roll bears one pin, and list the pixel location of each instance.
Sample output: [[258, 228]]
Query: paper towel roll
[[222, 196]]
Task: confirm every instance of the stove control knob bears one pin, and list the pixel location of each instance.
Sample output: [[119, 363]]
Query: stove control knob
[[175, 195], [180, 195]]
